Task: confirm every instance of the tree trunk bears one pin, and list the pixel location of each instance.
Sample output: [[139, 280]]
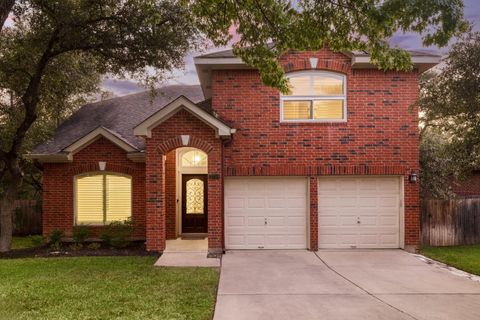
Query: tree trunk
[[7, 206], [5, 8]]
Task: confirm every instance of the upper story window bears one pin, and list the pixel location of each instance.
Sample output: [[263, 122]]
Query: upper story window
[[315, 97], [101, 198]]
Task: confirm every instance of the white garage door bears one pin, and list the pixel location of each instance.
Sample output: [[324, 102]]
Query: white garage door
[[356, 212], [265, 213]]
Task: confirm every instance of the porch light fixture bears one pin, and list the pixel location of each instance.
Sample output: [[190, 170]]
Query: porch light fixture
[[102, 165], [412, 177], [185, 139]]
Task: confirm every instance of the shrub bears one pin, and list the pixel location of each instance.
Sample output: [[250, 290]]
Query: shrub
[[117, 233], [56, 239], [94, 246], [80, 234], [36, 241], [75, 246]]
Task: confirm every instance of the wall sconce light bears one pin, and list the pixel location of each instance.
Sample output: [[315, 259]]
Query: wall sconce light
[[102, 165], [412, 177]]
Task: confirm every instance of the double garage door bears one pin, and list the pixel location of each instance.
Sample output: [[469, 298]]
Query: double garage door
[[272, 213]]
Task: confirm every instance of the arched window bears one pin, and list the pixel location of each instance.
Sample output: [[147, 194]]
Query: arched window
[[314, 96], [194, 158], [101, 198]]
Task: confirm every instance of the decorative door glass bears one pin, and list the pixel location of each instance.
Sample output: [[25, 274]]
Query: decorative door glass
[[195, 196]]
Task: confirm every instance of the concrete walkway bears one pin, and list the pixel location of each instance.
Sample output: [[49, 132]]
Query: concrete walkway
[[187, 253], [370, 284]]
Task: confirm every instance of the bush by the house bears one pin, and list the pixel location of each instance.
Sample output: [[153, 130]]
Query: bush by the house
[[80, 234], [118, 233], [94, 246], [56, 239]]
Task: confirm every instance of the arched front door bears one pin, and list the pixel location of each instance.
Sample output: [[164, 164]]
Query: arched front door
[[194, 203]]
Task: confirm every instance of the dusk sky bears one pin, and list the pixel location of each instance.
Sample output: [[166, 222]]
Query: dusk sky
[[188, 75]]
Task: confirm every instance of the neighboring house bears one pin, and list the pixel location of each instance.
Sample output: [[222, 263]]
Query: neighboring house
[[468, 188], [325, 167]]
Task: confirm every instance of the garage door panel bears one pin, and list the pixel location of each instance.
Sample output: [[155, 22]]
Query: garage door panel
[[359, 212], [255, 203], [282, 201]]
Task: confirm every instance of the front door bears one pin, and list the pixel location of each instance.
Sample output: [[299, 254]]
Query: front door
[[194, 203]]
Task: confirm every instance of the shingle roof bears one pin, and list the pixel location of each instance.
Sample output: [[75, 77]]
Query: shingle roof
[[119, 115]]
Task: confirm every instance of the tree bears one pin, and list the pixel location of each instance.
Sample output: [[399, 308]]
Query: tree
[[450, 107], [343, 25], [54, 55]]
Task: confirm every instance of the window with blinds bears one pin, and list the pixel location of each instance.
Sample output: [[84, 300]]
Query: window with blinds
[[101, 198], [314, 96]]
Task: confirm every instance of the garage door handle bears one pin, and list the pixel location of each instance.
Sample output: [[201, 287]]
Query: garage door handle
[[265, 221], [358, 220]]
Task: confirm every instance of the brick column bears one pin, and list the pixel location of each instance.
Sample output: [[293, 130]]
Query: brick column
[[412, 215], [155, 197], [313, 213], [215, 200]]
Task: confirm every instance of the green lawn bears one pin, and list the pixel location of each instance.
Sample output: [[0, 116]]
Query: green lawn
[[23, 242], [466, 258], [104, 288]]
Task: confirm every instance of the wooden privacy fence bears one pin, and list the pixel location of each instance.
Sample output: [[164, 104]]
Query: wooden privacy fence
[[450, 222], [28, 218]]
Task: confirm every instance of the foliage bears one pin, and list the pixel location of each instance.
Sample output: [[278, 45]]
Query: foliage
[[53, 57], [55, 239], [104, 288], [80, 234], [94, 246], [118, 233], [449, 105], [436, 165], [466, 258], [343, 25]]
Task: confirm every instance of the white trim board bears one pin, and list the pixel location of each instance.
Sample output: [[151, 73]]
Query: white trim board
[[181, 103], [93, 136]]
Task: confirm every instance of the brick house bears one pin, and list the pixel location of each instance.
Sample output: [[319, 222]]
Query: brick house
[[328, 166]]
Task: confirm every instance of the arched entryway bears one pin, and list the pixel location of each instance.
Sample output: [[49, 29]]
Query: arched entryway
[[191, 192]]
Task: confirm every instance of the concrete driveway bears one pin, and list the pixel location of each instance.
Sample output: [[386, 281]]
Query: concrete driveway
[[370, 284]]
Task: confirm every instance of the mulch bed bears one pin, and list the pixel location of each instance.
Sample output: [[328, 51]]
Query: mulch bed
[[135, 248]]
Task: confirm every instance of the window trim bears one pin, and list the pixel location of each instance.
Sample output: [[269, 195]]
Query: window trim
[[104, 174], [313, 98]]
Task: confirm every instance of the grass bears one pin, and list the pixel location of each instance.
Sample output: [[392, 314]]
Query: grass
[[24, 242], [465, 258], [104, 288]]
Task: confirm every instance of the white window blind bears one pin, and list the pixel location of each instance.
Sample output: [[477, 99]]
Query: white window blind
[[314, 96], [102, 198]]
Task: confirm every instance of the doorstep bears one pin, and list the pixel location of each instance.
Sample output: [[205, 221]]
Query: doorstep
[[187, 253]]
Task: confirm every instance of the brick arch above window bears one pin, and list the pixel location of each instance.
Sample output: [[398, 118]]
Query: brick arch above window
[[322, 64], [185, 141]]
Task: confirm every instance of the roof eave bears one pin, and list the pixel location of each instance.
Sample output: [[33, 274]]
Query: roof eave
[[50, 158]]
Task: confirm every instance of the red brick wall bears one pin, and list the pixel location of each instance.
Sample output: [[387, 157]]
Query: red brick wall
[[171, 194], [58, 185], [469, 187], [165, 138], [380, 136]]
